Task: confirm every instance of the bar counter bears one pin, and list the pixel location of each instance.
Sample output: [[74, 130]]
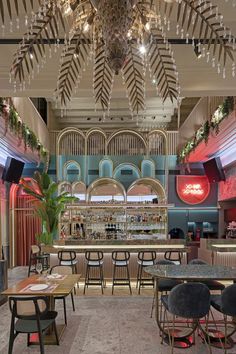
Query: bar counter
[[218, 251], [108, 246]]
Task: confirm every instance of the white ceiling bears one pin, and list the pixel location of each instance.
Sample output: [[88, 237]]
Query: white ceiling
[[197, 78]]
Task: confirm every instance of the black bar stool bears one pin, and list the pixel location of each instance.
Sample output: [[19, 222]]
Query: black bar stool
[[145, 259], [36, 256], [120, 260], [94, 262], [174, 256], [68, 258]]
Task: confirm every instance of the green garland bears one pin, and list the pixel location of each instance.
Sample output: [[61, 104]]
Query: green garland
[[23, 132], [204, 131]]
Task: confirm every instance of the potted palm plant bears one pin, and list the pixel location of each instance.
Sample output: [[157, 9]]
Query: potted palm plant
[[49, 205]]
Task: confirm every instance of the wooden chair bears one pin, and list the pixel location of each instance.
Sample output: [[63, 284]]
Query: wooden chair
[[63, 270], [31, 315]]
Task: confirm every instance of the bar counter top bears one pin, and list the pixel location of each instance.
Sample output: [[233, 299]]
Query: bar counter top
[[221, 245], [109, 246]]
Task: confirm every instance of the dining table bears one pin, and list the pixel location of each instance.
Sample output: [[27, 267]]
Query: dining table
[[45, 285], [188, 273]]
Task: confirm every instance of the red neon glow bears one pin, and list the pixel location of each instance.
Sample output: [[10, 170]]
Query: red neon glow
[[192, 189]]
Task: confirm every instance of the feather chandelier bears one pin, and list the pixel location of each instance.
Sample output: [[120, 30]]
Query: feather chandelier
[[123, 37]]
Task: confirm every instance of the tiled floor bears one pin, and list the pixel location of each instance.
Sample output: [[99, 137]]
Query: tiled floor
[[101, 325]]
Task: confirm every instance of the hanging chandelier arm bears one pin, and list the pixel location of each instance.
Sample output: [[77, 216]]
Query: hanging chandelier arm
[[75, 57], [34, 37], [163, 68], [206, 15], [8, 4], [103, 78], [94, 3], [134, 80]]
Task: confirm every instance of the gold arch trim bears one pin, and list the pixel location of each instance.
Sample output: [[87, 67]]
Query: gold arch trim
[[68, 163], [127, 131], [105, 181], [129, 164], [154, 183]]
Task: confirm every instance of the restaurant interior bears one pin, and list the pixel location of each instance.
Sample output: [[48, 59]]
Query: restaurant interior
[[117, 176]]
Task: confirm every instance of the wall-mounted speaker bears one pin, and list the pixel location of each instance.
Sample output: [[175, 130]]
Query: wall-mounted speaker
[[12, 170], [213, 170]]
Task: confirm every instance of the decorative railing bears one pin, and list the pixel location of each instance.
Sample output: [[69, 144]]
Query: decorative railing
[[96, 142]]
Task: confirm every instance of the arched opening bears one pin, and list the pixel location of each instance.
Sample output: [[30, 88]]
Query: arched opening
[[126, 173], [106, 190], [72, 171], [176, 233], [79, 191], [105, 168], [146, 190]]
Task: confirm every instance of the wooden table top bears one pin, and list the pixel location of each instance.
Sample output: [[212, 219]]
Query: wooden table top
[[63, 287]]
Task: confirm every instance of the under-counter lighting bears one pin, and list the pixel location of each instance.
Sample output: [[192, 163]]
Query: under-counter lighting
[[227, 245], [154, 246]]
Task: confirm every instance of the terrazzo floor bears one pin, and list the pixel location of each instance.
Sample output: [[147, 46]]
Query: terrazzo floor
[[101, 325]]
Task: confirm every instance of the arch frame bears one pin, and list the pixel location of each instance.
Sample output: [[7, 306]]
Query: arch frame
[[127, 164], [129, 131], [67, 163], [61, 134], [148, 181], [103, 181]]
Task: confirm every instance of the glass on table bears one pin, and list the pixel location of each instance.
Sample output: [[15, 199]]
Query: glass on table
[[39, 267]]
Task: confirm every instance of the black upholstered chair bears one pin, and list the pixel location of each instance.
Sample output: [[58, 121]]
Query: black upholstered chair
[[145, 259], [226, 304], [165, 285], [31, 315], [94, 269], [190, 302], [213, 285], [63, 270]]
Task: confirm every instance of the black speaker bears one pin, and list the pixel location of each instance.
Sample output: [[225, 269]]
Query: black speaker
[[213, 170], [12, 170]]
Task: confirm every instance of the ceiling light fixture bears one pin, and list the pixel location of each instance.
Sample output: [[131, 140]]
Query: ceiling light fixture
[[124, 37]]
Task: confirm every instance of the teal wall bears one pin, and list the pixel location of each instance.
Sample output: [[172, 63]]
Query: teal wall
[[93, 167]]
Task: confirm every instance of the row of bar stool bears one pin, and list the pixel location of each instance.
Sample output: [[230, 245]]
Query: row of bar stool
[[94, 266]]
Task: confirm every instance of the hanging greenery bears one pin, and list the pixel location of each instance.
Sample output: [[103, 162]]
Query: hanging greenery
[[20, 129], [209, 126]]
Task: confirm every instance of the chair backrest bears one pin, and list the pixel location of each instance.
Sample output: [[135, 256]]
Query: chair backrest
[[66, 256], [228, 300], [120, 256], [174, 256], [197, 261], [94, 256], [35, 249], [61, 269], [30, 307], [147, 256], [164, 262], [189, 300]]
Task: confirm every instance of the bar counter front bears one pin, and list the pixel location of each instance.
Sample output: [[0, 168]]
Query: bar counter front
[[163, 248]]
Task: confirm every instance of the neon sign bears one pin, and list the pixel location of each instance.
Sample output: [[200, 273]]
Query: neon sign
[[192, 189]]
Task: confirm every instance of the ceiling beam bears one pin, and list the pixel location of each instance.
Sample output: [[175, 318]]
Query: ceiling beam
[[179, 41]]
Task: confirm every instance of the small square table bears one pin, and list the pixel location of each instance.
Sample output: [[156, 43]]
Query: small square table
[[59, 287]]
